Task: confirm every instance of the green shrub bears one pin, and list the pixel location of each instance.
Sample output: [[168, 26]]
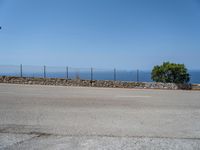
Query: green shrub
[[170, 73]]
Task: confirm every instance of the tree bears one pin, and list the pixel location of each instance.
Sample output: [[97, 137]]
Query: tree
[[170, 73]]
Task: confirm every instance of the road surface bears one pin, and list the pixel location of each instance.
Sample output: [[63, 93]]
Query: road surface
[[56, 117]]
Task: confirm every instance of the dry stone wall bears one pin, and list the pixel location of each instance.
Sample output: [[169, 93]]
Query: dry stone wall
[[94, 83]]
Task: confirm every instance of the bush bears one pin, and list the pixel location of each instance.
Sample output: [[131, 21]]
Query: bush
[[170, 73]]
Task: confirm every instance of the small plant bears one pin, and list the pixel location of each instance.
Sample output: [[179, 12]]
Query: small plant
[[170, 73]]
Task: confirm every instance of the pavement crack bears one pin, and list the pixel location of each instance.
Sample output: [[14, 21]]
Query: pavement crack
[[39, 134], [43, 134]]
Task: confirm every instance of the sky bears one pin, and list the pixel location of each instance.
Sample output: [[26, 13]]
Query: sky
[[126, 34]]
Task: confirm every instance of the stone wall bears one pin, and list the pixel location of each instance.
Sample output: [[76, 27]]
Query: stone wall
[[195, 86], [94, 83]]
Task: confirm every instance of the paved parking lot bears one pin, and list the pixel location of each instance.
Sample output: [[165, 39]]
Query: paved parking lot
[[55, 117]]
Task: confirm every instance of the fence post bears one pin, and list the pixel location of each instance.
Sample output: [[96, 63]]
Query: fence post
[[44, 71], [67, 75], [114, 74], [77, 74], [137, 75], [21, 74], [91, 74]]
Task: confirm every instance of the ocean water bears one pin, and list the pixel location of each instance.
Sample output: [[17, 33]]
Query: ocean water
[[142, 76]]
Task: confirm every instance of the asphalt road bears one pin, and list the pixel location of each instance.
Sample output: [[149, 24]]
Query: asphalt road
[[55, 117]]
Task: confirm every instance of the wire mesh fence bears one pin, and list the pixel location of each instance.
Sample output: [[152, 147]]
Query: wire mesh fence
[[31, 71], [9, 70], [82, 73]]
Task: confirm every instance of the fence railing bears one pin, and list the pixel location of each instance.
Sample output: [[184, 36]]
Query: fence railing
[[67, 72]]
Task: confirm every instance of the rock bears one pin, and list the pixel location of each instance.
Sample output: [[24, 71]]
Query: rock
[[30, 82]]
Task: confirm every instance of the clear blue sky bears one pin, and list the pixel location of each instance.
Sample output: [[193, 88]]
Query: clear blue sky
[[124, 34]]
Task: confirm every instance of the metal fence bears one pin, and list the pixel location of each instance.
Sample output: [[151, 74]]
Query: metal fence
[[66, 72]]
